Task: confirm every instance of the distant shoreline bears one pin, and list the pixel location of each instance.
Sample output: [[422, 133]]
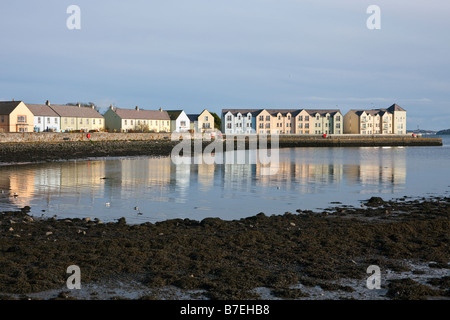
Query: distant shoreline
[[25, 152]]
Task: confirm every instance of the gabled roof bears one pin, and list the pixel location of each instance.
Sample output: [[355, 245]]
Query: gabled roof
[[174, 114], [395, 107], [323, 112], [142, 114], [234, 112], [193, 117], [6, 107], [75, 111], [42, 110]]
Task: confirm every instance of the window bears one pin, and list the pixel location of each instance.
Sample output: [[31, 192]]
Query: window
[[100, 121], [318, 118], [125, 122], [206, 118], [48, 120], [261, 118], [81, 121], [56, 120], [131, 122], [3, 118], [93, 121], [267, 118], [39, 119], [239, 117], [151, 122], [338, 118], [279, 117], [300, 125], [306, 118], [228, 125], [267, 125], [228, 118], [72, 121], [87, 121], [307, 127], [22, 119], [261, 125], [338, 125], [65, 120], [183, 123], [300, 118], [289, 117]]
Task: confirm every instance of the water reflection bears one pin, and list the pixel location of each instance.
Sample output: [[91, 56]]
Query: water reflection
[[110, 188]]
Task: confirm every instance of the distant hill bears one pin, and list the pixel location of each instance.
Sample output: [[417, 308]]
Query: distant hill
[[421, 131], [446, 131]]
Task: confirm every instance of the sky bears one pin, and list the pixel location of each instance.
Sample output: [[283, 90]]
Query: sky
[[216, 54]]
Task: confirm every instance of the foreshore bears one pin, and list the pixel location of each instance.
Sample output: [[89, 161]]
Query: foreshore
[[53, 150], [287, 254]]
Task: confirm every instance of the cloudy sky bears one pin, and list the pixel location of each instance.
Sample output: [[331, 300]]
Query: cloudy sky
[[214, 54]]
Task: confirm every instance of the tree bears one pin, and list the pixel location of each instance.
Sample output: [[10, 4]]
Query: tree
[[217, 120]]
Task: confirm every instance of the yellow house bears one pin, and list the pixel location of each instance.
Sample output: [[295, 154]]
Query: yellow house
[[203, 122], [78, 118], [15, 117], [138, 120]]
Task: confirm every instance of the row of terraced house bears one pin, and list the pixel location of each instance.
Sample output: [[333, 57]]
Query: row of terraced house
[[314, 121], [17, 116]]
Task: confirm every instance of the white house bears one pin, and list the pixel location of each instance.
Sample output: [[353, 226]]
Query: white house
[[45, 118], [179, 121], [239, 121]]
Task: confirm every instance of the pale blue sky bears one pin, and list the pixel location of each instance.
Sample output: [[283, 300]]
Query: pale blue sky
[[218, 54]]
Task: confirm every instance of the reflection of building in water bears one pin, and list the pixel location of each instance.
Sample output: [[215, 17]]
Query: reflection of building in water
[[238, 177], [386, 172], [16, 180], [206, 176], [138, 176], [82, 176]]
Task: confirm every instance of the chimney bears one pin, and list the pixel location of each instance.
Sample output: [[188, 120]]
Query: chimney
[[47, 102], [92, 106], [111, 107], [160, 109], [137, 108], [78, 105]]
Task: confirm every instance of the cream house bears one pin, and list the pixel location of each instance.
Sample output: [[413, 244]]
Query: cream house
[[203, 122], [137, 119], [15, 117], [376, 121]]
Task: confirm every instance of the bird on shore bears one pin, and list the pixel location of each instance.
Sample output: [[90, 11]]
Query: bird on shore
[[138, 210]]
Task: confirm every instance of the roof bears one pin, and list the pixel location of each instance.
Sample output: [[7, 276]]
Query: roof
[[193, 117], [174, 114], [42, 110], [284, 112], [323, 112], [142, 114], [6, 107], [395, 107], [242, 111], [75, 111], [372, 112]]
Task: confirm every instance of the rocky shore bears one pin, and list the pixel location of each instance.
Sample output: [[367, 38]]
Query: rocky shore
[[24, 152], [285, 254]]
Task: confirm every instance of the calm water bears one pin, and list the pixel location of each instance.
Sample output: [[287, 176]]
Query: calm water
[[153, 189]]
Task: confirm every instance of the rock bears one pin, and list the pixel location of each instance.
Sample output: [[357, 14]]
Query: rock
[[48, 233], [375, 202]]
